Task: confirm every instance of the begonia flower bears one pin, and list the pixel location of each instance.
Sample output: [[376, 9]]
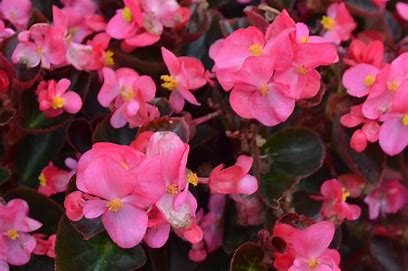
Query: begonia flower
[[371, 53], [402, 9], [16, 12], [54, 98], [45, 246], [53, 179], [338, 24], [186, 74]]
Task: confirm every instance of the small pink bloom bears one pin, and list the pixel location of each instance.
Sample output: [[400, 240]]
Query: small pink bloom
[[359, 79], [186, 74], [158, 229], [15, 228], [394, 130], [234, 179], [402, 9], [74, 205], [371, 53], [126, 21], [334, 197], [283, 260], [53, 180], [310, 247], [5, 32], [389, 198], [124, 184], [17, 12], [55, 98], [338, 24], [45, 246]]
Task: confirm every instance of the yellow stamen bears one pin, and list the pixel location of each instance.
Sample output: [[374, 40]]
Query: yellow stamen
[[114, 205], [170, 82], [39, 51], [127, 14], [313, 263], [345, 195], [369, 80], [192, 178], [405, 120], [42, 179], [328, 23], [392, 86], [172, 189], [255, 49], [12, 234], [127, 93], [109, 58], [304, 39], [124, 165], [302, 70], [264, 89], [57, 102]]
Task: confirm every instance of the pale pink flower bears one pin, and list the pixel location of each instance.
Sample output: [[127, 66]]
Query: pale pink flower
[[43, 44], [234, 179], [334, 196], [128, 93], [54, 98], [45, 246], [53, 179], [394, 130], [338, 24], [310, 248], [186, 74], [402, 9], [389, 198], [16, 12], [15, 228], [124, 184]]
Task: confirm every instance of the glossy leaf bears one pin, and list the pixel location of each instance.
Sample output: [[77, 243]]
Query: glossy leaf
[[175, 125], [390, 253], [96, 254], [274, 186], [248, 257]]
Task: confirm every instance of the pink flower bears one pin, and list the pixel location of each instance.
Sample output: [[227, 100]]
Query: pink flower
[[45, 246], [15, 228], [5, 32], [334, 197], [394, 130], [43, 44], [186, 74], [126, 21], [389, 198], [283, 260], [380, 3], [123, 184], [74, 205], [234, 179], [53, 179], [402, 9], [55, 98], [310, 247], [359, 79], [371, 53], [128, 93], [338, 24], [257, 96], [17, 12], [3, 255]]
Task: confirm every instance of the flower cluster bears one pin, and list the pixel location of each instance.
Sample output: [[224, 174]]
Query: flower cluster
[[269, 72]]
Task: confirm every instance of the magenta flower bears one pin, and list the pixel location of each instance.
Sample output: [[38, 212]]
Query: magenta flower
[[310, 248], [15, 228], [16, 12], [128, 93], [55, 98], [53, 180], [389, 198], [334, 196], [394, 130], [123, 185], [338, 24], [234, 179], [186, 74]]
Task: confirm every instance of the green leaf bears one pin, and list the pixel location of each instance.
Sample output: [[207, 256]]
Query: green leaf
[[217, 260], [4, 175], [33, 154], [96, 254], [369, 164], [296, 152], [248, 257], [273, 187], [42, 208], [178, 126], [390, 253], [104, 132]]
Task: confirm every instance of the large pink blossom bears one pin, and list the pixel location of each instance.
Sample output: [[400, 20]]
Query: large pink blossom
[[15, 228], [123, 184], [54, 98], [186, 74], [338, 24], [389, 198]]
